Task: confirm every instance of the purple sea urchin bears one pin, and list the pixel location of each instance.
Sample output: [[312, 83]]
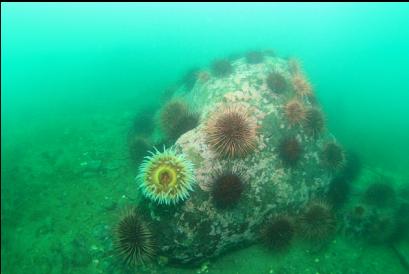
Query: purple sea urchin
[[176, 119], [227, 190], [133, 239], [279, 233], [317, 222], [381, 194], [166, 177], [222, 68], [314, 122], [138, 147], [333, 156], [276, 82], [254, 57], [231, 132], [290, 150]]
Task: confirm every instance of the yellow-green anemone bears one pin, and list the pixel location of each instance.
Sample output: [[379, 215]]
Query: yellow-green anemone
[[166, 177]]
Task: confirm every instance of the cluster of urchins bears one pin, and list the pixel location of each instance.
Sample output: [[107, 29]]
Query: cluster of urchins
[[167, 177]]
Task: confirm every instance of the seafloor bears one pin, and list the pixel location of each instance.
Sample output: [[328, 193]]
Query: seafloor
[[66, 177]]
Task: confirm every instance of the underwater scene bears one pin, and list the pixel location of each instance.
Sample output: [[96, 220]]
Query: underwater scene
[[178, 138]]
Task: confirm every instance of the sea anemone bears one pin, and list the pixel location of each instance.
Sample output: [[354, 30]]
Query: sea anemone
[[254, 57], [333, 156], [290, 151], [133, 240], [231, 132], [380, 194], [279, 233], [301, 85], [166, 177], [276, 82], [317, 222], [176, 119], [222, 68], [295, 112], [227, 189], [314, 122]]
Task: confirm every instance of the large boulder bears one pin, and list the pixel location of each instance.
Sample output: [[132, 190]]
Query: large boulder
[[290, 164]]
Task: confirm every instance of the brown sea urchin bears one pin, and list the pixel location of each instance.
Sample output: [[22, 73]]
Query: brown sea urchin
[[295, 112], [290, 150], [231, 132], [314, 122], [301, 85], [317, 222], [227, 189], [134, 241], [278, 233]]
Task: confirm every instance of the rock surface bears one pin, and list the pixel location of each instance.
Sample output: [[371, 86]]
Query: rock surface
[[195, 230]]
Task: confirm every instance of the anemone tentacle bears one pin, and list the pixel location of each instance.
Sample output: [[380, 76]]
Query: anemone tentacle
[[166, 177]]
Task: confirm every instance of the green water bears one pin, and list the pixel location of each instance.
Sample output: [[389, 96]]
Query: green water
[[74, 76]]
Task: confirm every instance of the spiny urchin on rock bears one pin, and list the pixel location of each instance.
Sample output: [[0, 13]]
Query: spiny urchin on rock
[[277, 82], [314, 122], [227, 189], [353, 166], [231, 132], [138, 147], [176, 119], [254, 57], [134, 241], [317, 222], [295, 111], [332, 156], [166, 177], [222, 68], [302, 86], [278, 234], [290, 150], [338, 191], [246, 111], [380, 193], [190, 78]]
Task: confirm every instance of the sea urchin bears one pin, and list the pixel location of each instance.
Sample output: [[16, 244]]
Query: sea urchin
[[227, 190], [276, 82], [134, 241], [176, 119], [317, 222], [301, 85], [295, 112], [314, 122], [290, 150], [333, 156], [222, 68], [166, 177], [278, 234], [231, 132]]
